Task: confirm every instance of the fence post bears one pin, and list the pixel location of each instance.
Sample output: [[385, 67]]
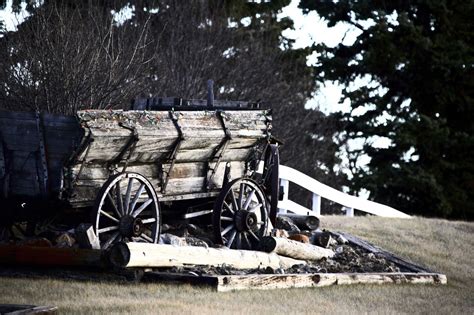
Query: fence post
[[349, 211], [316, 204]]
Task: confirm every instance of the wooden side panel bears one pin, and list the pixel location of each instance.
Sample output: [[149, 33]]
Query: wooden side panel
[[21, 139], [158, 134], [62, 135], [185, 178]]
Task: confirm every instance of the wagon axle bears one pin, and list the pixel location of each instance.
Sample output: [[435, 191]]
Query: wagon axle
[[245, 221], [130, 226]]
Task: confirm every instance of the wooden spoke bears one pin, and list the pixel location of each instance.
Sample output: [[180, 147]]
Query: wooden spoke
[[141, 208], [226, 205], [146, 238], [238, 240], [127, 196], [241, 195], [231, 239], [227, 229], [135, 198], [255, 237], [111, 240], [112, 202], [255, 207], [109, 216], [247, 240], [148, 221], [234, 201], [249, 200], [108, 229], [118, 195]]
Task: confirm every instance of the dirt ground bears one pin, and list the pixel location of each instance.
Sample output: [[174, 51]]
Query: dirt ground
[[444, 246]]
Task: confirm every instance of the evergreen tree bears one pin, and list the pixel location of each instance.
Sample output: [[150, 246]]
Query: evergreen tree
[[419, 57]]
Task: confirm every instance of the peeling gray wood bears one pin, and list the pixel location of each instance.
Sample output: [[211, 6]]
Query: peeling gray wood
[[157, 134], [313, 280]]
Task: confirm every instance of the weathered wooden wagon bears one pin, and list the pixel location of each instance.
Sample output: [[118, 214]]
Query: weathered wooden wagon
[[127, 168]]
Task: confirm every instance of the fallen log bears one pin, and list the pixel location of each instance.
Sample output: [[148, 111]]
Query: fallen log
[[294, 249], [304, 222], [49, 256], [126, 255], [322, 239]]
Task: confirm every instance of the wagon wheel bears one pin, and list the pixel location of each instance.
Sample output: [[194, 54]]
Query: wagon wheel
[[270, 178], [127, 209], [240, 214]]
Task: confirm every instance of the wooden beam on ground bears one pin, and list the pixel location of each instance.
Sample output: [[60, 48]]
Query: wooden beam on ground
[[86, 237], [160, 255], [276, 281], [294, 249], [49, 256], [379, 252]]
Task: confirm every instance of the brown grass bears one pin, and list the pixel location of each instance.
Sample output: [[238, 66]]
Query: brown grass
[[444, 246]]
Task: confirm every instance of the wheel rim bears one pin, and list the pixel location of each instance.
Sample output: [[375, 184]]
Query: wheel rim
[[271, 178], [240, 215], [127, 209]]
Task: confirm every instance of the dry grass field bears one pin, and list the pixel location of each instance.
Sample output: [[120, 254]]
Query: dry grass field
[[444, 246]]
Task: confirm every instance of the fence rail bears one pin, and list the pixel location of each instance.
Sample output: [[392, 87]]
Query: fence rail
[[319, 190]]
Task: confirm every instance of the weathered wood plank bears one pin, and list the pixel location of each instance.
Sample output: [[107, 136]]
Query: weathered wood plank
[[266, 282], [151, 149], [184, 196], [201, 123], [185, 185], [312, 280], [100, 172]]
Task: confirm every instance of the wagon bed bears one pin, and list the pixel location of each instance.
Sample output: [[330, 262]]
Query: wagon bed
[[70, 157], [120, 165]]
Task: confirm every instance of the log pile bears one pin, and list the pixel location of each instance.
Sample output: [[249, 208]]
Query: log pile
[[293, 256], [128, 255], [295, 249]]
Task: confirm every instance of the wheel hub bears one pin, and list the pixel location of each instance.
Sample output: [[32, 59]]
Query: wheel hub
[[245, 220], [130, 226]]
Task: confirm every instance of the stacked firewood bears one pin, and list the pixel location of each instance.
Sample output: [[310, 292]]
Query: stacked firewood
[[294, 241]]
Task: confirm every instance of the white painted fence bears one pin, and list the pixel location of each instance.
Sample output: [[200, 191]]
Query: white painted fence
[[319, 190]]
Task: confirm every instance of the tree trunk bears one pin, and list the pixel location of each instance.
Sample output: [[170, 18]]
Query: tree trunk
[[161, 255], [294, 249]]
